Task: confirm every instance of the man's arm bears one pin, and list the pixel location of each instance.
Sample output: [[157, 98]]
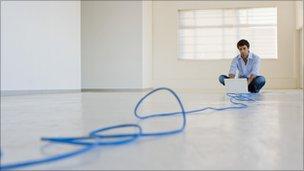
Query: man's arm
[[251, 77], [255, 70], [233, 68]]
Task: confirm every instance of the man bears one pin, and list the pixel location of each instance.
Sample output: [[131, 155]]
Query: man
[[248, 65]]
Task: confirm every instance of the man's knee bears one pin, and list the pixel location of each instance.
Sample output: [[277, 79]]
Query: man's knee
[[260, 80], [222, 79], [257, 84]]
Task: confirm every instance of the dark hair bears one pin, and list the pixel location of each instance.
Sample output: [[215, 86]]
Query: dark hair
[[242, 43]]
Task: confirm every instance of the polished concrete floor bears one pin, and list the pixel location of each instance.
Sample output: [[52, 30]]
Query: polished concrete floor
[[266, 135]]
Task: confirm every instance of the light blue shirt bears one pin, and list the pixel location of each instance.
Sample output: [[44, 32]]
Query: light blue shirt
[[252, 66]]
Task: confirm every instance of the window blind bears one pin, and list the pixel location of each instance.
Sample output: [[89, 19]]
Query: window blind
[[213, 34]]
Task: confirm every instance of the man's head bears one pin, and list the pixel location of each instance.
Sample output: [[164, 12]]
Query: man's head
[[243, 46]]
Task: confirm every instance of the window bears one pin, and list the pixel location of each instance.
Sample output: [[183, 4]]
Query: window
[[213, 34]]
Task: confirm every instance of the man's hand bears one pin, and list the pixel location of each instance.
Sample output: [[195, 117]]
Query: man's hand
[[231, 75], [251, 77]]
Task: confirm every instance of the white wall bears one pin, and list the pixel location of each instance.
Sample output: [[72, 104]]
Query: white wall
[[301, 59], [114, 50], [299, 14], [40, 45], [299, 27], [169, 71], [125, 44], [147, 44]]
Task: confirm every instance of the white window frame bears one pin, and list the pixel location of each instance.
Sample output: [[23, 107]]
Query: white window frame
[[236, 8]]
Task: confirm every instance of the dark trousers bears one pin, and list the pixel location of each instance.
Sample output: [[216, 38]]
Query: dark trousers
[[254, 87]]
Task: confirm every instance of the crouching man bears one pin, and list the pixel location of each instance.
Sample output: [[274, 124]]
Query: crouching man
[[247, 64]]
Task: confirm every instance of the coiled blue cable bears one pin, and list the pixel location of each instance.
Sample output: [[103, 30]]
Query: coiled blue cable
[[99, 137]]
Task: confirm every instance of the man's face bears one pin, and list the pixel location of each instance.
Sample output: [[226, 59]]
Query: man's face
[[244, 51]]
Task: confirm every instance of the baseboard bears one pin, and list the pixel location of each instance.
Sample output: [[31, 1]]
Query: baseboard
[[31, 92], [115, 90], [213, 84], [203, 84]]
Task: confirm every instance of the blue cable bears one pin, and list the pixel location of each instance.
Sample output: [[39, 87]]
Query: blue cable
[[99, 137], [47, 159]]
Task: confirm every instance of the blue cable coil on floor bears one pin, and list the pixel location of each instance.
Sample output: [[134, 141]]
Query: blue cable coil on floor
[[100, 137]]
